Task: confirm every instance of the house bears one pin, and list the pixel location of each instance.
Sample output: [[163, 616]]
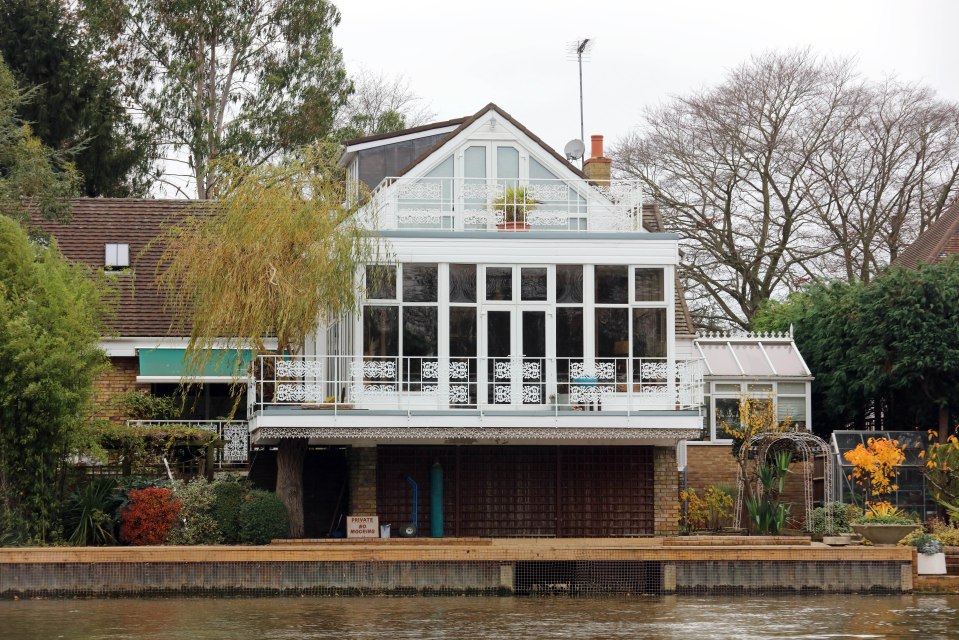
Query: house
[[522, 364]]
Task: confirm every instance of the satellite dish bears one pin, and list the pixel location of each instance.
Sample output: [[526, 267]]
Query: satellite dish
[[574, 149]]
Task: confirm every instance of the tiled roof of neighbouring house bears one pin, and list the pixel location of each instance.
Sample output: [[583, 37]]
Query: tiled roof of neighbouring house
[[95, 222], [936, 242]]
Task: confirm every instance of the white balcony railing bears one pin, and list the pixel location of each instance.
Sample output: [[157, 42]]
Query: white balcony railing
[[235, 435], [342, 383], [487, 205]]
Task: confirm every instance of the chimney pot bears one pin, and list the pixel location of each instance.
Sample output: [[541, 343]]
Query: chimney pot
[[597, 146]]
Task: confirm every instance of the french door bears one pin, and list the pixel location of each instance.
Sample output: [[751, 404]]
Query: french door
[[515, 343]]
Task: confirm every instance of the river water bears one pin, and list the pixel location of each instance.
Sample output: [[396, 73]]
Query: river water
[[686, 617]]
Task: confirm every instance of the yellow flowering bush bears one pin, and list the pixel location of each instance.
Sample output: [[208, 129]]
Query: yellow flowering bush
[[942, 473], [874, 467]]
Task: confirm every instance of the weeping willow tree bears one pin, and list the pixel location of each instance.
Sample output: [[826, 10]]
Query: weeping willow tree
[[274, 256]]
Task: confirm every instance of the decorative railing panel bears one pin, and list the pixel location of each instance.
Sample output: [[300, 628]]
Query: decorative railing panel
[[432, 383], [235, 434]]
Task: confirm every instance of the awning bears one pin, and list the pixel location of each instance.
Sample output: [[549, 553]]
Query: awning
[[173, 365]]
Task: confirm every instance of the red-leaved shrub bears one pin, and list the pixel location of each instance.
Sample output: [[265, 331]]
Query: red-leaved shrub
[[149, 517]]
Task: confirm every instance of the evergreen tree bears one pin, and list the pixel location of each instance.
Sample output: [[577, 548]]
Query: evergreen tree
[[76, 106]]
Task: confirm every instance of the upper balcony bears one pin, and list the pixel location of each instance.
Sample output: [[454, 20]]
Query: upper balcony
[[463, 204], [475, 395]]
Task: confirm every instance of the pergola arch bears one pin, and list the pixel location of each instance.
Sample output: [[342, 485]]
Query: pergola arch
[[808, 446]]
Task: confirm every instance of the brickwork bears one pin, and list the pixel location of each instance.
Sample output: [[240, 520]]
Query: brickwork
[[362, 461], [119, 378], [714, 465], [665, 490]]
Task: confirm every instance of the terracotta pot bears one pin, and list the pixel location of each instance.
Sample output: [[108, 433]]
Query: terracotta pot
[[884, 533], [513, 226]]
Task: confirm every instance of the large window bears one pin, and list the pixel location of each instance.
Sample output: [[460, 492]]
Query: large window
[[722, 403]]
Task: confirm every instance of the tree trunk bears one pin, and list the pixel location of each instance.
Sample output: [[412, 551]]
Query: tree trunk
[[944, 430], [290, 455]]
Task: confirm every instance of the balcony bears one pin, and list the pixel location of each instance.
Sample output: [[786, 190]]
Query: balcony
[[459, 204], [467, 395]]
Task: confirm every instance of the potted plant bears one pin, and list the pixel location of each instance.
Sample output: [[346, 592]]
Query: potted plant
[[514, 204], [884, 524], [931, 558]]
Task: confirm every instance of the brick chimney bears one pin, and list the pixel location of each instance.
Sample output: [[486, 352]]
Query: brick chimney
[[597, 168]]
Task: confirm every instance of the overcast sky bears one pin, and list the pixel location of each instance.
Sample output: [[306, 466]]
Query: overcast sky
[[459, 56]]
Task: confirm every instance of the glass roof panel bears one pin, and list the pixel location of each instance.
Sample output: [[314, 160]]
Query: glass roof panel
[[720, 360], [752, 359], [786, 359]]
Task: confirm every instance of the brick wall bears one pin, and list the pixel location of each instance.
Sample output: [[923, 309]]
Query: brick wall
[[362, 465], [119, 378], [713, 465], [665, 490]]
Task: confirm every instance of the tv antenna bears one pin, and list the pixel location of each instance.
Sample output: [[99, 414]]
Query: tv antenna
[[580, 48]]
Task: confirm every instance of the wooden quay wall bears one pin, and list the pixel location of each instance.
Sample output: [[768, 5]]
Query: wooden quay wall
[[460, 566]]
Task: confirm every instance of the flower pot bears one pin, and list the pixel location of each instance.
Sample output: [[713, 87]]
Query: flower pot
[[884, 533], [513, 226], [932, 564]]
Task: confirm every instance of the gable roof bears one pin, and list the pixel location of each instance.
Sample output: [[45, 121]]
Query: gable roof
[[139, 310], [476, 116], [940, 239]]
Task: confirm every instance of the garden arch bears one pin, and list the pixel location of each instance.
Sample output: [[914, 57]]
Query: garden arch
[[808, 446]]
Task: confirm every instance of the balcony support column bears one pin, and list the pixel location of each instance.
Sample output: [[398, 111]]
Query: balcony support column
[[665, 490]]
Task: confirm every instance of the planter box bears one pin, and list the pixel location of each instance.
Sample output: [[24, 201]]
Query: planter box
[[884, 533], [932, 564]]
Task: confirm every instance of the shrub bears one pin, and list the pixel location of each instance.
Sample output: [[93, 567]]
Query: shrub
[[197, 524], [884, 513], [91, 513], [228, 497], [842, 516], [263, 517], [947, 533], [923, 542], [149, 516]]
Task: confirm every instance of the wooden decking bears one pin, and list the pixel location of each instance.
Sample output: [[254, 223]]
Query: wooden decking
[[693, 549]]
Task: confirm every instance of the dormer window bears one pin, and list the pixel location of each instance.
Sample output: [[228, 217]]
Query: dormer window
[[116, 257]]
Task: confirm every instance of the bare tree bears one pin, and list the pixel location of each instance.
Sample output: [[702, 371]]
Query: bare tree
[[792, 169], [890, 166], [727, 166], [380, 104]]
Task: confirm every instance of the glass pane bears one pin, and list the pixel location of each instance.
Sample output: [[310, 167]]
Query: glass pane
[[507, 164], [728, 388], [649, 333], [380, 282], [612, 284], [569, 283], [727, 416], [419, 331], [534, 334], [569, 332], [474, 162], [462, 283], [419, 282], [759, 388], [612, 333], [381, 331], [649, 285], [499, 283], [791, 407], [462, 332], [792, 388], [533, 283], [498, 334]]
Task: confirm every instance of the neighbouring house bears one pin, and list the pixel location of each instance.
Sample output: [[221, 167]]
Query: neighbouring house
[[939, 240], [526, 356]]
